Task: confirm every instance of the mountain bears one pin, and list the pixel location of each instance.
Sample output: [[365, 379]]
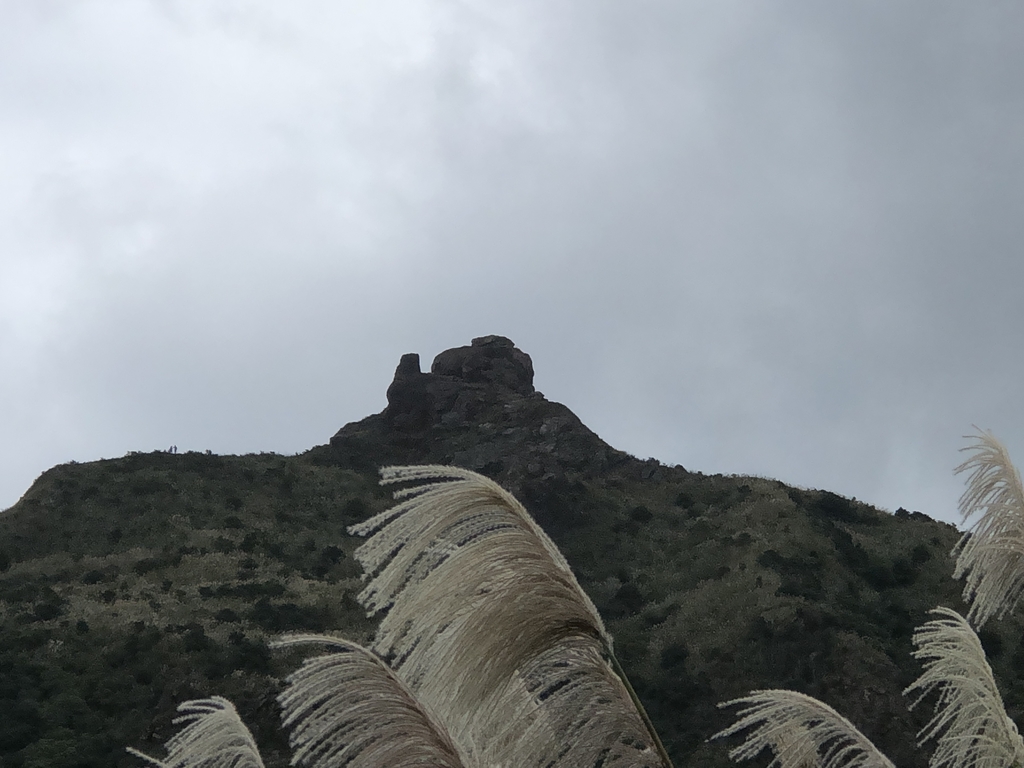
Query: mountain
[[128, 585]]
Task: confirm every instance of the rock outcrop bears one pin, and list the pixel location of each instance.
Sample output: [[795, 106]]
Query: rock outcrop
[[477, 408], [490, 360]]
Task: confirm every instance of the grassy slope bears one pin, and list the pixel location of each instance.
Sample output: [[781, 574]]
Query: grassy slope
[[129, 585]]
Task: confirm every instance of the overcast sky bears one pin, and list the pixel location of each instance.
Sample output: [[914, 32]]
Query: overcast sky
[[769, 238]]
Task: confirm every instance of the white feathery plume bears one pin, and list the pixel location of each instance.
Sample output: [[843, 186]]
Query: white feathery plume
[[991, 553], [970, 722], [801, 731], [485, 622], [348, 708], [215, 737]]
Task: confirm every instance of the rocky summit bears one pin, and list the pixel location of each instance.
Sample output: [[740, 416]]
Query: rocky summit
[[129, 585], [477, 408]]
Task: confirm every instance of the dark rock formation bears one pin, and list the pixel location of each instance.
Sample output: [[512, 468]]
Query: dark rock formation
[[460, 382], [489, 360], [410, 402], [476, 408]]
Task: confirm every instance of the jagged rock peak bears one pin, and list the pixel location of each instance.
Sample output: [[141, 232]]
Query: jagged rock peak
[[477, 408], [491, 366]]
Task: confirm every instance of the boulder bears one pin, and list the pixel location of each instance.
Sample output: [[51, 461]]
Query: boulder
[[490, 360]]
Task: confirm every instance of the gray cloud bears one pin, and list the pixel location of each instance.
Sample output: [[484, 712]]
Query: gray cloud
[[775, 239]]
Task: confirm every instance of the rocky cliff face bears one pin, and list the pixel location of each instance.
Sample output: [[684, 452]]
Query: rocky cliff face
[[477, 408]]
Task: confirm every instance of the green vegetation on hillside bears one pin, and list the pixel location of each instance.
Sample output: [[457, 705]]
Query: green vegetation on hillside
[[132, 584]]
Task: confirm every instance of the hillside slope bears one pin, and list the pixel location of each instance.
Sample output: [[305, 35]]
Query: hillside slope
[[129, 585]]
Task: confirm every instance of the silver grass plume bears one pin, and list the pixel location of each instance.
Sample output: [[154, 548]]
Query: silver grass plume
[[347, 708], [991, 553], [486, 623], [970, 722], [214, 737], [801, 731]]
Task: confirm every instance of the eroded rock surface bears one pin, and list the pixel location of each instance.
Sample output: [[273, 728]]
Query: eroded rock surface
[[477, 408]]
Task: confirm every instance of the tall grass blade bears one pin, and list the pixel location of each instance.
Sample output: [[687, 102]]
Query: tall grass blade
[[970, 722], [800, 731], [214, 737], [991, 553], [485, 622], [348, 708]]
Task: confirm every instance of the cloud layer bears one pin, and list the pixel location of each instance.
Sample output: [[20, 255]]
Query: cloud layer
[[777, 239]]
